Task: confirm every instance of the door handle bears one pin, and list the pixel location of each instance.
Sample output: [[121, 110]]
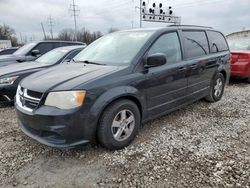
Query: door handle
[[181, 69], [193, 66]]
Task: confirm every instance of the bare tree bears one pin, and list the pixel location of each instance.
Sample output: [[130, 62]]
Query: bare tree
[[66, 34], [83, 35]]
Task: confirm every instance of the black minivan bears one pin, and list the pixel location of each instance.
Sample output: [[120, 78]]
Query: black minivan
[[121, 81]]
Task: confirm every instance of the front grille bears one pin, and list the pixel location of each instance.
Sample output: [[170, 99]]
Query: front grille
[[28, 99], [34, 94]]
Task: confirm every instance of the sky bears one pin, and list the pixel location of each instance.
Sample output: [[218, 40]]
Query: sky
[[26, 16]]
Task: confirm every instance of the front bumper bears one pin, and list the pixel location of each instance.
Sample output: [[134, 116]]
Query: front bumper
[[240, 69], [7, 94], [55, 127]]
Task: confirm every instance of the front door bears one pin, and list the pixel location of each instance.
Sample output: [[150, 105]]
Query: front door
[[166, 84]]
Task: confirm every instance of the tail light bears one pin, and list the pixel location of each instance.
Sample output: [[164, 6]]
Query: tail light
[[244, 57], [239, 57]]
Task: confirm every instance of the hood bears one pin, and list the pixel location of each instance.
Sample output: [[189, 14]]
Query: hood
[[65, 77], [20, 68], [10, 59]]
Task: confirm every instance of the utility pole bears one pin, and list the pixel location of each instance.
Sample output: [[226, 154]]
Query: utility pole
[[43, 31], [51, 24], [74, 9], [140, 13], [140, 8], [21, 38]]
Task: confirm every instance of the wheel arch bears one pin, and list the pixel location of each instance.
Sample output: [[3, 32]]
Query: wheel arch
[[113, 95]]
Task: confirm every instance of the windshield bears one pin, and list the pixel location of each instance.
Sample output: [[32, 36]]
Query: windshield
[[25, 49], [240, 44], [53, 56], [115, 48]]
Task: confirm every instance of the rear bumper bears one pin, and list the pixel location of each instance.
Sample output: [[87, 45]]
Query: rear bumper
[[240, 69], [56, 128]]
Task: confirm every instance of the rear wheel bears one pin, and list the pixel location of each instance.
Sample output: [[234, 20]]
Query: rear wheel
[[248, 80], [119, 124], [216, 88]]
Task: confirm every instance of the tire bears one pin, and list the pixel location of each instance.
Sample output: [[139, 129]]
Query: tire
[[248, 80], [216, 88], [119, 124]]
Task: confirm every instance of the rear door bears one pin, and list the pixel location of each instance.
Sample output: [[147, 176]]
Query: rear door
[[201, 65], [166, 84]]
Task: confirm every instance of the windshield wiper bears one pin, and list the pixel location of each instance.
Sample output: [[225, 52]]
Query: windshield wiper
[[89, 62]]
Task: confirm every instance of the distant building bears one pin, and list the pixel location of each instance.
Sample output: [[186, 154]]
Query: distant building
[[239, 34], [5, 44]]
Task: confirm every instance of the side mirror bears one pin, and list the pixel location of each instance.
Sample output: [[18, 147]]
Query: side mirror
[[35, 53], [66, 60], [156, 60]]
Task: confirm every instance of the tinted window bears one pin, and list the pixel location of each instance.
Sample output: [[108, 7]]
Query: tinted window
[[195, 43], [7, 51], [44, 47], [217, 41], [169, 45], [73, 54]]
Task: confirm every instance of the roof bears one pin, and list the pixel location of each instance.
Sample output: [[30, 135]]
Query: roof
[[171, 27], [56, 41], [71, 47], [239, 32]]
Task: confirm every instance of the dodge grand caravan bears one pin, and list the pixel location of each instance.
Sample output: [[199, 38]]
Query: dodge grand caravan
[[121, 81]]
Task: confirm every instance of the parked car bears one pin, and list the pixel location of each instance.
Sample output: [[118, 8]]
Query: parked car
[[11, 75], [240, 57], [8, 51], [33, 50], [121, 81]]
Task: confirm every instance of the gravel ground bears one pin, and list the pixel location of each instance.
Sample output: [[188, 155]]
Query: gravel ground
[[202, 145]]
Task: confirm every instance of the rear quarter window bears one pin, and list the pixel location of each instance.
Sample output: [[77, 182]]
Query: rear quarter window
[[195, 44], [217, 42]]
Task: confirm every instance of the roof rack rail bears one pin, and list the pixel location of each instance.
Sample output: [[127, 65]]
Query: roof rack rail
[[190, 26]]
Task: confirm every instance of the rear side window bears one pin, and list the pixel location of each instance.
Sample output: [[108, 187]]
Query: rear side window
[[217, 42], [169, 45], [44, 47], [73, 54], [195, 43]]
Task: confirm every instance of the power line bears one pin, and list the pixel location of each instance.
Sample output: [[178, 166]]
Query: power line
[[74, 9], [51, 24]]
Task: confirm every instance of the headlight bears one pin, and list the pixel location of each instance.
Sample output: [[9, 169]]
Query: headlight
[[65, 99], [8, 80]]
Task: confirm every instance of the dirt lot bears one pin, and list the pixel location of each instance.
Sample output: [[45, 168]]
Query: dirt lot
[[203, 145]]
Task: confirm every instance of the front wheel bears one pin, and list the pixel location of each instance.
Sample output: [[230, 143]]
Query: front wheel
[[216, 88], [119, 124]]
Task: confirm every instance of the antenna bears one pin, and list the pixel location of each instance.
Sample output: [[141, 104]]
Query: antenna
[[74, 9]]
